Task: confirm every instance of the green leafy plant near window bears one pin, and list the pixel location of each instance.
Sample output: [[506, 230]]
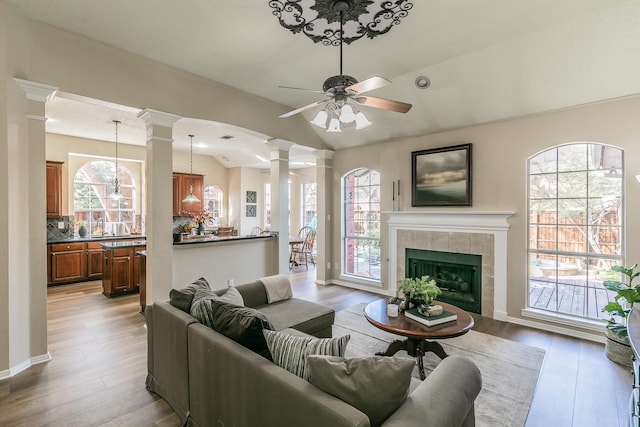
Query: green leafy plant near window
[[423, 288], [627, 294]]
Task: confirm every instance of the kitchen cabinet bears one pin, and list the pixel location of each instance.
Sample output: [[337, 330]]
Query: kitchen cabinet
[[181, 188], [54, 189], [66, 262], [75, 261], [95, 255], [121, 268]]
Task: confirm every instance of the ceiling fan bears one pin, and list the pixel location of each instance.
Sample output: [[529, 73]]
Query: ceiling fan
[[340, 89]]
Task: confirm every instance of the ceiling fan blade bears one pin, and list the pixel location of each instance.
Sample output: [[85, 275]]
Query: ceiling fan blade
[[375, 82], [306, 107], [385, 104], [300, 88]]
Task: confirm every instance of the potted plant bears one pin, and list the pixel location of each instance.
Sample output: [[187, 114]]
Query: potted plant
[[617, 347], [420, 290], [82, 228]]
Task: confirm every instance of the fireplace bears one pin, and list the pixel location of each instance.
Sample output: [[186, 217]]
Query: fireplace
[[458, 275], [472, 232]]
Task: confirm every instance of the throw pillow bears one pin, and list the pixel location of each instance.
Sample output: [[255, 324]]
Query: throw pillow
[[201, 304], [377, 386], [291, 351], [181, 298], [244, 325]]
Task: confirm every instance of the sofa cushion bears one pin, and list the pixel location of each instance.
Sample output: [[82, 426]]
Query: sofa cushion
[[291, 351], [298, 314], [244, 325], [253, 294], [181, 298], [201, 307], [375, 385]]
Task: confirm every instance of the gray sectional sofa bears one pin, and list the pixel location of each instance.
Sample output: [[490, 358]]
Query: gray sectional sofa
[[211, 380]]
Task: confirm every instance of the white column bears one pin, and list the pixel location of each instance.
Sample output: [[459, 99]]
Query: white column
[[280, 198], [159, 221], [26, 292], [324, 242]]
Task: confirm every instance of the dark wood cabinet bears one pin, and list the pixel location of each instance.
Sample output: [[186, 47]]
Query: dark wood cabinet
[[75, 262], [181, 188], [54, 189], [121, 271], [66, 262], [95, 256]]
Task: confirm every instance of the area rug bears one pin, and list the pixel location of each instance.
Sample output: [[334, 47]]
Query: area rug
[[509, 369]]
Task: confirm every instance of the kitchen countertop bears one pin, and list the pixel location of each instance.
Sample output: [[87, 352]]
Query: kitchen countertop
[[210, 238], [77, 239], [125, 244]]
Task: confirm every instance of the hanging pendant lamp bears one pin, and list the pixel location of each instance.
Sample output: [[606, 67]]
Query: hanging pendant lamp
[[191, 198], [116, 194]]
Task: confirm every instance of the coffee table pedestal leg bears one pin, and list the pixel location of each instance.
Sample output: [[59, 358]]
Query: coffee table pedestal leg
[[415, 348]]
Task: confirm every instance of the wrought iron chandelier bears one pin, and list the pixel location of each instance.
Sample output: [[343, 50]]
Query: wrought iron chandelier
[[321, 20]]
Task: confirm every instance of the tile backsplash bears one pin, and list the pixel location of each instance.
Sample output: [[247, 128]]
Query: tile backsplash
[[55, 233]]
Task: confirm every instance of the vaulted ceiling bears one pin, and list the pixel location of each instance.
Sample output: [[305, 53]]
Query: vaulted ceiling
[[487, 60]]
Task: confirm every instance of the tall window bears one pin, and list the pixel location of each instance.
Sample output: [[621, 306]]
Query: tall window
[[213, 198], [361, 221], [309, 205], [91, 185], [267, 205], [575, 227]]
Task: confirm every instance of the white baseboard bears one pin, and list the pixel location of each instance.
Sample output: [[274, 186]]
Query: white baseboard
[[360, 287], [596, 337], [14, 370]]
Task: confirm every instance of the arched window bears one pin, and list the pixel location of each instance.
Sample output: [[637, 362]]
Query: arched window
[[575, 227], [213, 198], [91, 185], [361, 222]]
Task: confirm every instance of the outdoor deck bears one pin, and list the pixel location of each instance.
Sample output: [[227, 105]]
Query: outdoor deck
[[570, 295]]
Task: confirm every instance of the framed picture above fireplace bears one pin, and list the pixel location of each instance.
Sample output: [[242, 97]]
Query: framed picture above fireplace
[[441, 176]]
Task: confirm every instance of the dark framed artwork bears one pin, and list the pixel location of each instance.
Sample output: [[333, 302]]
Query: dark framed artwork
[[441, 176], [252, 196], [251, 211]]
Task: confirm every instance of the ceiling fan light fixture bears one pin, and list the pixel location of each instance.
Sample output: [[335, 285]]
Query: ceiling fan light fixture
[[362, 121], [346, 114], [334, 125], [321, 119]]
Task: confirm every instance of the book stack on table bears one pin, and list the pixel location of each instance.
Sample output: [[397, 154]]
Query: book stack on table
[[445, 317]]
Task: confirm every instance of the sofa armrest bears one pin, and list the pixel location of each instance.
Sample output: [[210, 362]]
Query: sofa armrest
[[168, 368], [445, 398]]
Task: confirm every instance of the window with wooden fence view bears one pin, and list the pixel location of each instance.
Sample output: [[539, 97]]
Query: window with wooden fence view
[[575, 227]]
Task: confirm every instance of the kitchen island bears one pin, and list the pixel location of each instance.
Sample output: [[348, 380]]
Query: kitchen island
[[121, 271], [241, 259]]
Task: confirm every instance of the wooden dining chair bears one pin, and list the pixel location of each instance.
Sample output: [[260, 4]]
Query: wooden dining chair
[[305, 251]]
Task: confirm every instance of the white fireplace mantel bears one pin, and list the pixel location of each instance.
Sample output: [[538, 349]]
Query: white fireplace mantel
[[456, 221]]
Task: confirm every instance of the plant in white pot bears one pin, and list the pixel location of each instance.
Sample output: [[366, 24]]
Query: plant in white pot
[[627, 294], [420, 290]]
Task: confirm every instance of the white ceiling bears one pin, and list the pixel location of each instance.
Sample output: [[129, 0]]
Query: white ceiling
[[487, 60]]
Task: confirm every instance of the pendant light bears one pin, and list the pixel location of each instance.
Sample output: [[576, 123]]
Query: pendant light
[[191, 198], [116, 194]]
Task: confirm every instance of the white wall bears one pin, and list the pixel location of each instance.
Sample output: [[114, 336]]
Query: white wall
[[499, 172]]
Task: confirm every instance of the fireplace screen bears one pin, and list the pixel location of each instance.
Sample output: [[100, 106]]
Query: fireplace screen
[[459, 276]]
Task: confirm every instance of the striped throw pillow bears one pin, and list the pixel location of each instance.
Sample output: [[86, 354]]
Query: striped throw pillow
[[201, 303], [290, 351]]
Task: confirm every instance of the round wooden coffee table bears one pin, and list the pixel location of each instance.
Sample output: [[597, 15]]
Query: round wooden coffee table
[[417, 335]]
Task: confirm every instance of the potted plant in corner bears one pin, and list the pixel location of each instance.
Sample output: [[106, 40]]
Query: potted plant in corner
[[617, 347], [420, 290]]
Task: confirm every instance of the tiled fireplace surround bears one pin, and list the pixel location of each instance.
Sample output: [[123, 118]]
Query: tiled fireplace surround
[[469, 232]]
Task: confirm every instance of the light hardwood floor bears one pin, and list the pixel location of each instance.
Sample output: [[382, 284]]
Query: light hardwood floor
[[98, 345]]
